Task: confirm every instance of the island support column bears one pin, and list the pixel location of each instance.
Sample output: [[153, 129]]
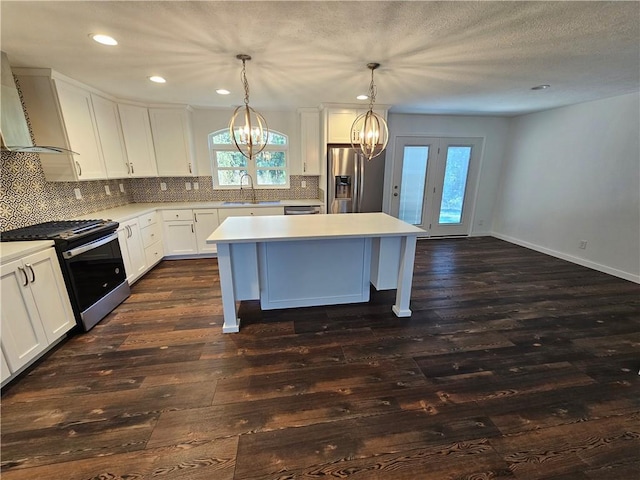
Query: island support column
[[231, 320], [405, 276]]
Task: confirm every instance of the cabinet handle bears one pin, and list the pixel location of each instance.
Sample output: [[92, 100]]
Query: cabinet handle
[[129, 232], [26, 279], [304, 167], [33, 274], [79, 168], [192, 231], [132, 170], [128, 168], [195, 217], [190, 169]]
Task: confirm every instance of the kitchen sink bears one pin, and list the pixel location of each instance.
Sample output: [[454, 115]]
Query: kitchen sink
[[267, 202]]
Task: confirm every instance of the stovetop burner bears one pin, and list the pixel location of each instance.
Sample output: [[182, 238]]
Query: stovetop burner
[[58, 230]]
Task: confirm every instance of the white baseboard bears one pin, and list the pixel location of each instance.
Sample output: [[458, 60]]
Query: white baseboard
[[570, 258]]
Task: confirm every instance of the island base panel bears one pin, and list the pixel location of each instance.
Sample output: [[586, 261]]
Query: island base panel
[[314, 272]]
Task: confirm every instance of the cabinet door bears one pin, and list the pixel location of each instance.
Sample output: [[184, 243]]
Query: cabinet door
[[205, 221], [138, 141], [180, 238], [4, 367], [79, 121], [110, 134], [339, 122], [137, 258], [23, 337], [50, 294], [123, 234], [172, 139], [310, 142]]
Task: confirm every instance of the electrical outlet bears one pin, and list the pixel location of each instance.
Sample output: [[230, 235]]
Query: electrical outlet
[[303, 183], [76, 192], [106, 190], [583, 245], [121, 188], [187, 185], [163, 186], [196, 186]]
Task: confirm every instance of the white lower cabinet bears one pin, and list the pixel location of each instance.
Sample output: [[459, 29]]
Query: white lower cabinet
[[186, 231], [132, 250], [4, 368], [151, 232], [141, 244], [205, 221], [35, 309]]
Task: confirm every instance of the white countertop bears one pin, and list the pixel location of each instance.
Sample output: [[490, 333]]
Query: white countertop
[[309, 227], [132, 210], [10, 251]]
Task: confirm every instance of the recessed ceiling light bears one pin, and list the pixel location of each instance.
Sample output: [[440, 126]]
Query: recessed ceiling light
[[540, 87], [222, 91], [157, 79], [362, 97], [104, 39]]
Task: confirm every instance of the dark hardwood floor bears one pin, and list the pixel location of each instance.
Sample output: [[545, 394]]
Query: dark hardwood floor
[[514, 365]]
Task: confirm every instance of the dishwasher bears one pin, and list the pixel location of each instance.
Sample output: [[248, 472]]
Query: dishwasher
[[301, 210]]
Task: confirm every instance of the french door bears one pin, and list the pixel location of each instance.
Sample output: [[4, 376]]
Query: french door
[[434, 183]]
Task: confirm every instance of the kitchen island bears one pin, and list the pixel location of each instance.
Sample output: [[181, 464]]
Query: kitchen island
[[310, 260]]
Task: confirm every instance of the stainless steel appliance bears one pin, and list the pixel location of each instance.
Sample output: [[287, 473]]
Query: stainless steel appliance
[[301, 210], [91, 264], [354, 183]]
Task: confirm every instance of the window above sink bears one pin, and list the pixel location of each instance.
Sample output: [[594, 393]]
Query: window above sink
[[269, 169]]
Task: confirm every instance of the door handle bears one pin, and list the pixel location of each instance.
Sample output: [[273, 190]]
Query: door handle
[[33, 274], [26, 279]]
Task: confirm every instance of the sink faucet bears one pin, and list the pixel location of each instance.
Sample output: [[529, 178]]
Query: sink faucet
[[253, 190]]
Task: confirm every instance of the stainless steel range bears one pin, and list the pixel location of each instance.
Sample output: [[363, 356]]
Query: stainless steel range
[[91, 263]]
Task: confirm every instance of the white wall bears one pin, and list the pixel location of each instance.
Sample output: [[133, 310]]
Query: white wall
[[493, 130], [207, 120], [573, 174]]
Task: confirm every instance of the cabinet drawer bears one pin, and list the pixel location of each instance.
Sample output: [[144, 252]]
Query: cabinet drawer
[[148, 219], [154, 253], [151, 234], [168, 215]]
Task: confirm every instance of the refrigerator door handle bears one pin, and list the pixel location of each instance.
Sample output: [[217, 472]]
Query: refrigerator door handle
[[355, 190]]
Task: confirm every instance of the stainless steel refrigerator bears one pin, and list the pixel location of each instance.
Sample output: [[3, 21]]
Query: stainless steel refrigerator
[[354, 183]]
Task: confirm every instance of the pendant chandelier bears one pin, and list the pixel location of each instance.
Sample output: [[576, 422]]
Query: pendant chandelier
[[248, 128], [369, 132]]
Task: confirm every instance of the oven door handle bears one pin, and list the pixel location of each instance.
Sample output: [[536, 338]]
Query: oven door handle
[[90, 246]]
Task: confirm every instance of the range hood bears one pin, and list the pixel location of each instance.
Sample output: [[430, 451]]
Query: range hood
[[14, 131]]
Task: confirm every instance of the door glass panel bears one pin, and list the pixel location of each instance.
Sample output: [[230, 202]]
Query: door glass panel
[[455, 182], [414, 174]]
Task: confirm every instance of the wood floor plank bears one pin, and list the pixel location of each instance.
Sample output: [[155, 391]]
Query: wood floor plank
[[514, 365]]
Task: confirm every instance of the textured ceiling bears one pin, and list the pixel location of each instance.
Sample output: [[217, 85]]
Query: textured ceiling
[[437, 57]]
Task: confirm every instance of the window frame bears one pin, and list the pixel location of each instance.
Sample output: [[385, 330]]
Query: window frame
[[251, 167]]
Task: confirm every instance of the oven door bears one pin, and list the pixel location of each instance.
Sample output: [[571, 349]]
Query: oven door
[[97, 278]]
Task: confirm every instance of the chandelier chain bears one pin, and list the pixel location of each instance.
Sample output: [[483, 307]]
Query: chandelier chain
[[372, 92], [245, 82]]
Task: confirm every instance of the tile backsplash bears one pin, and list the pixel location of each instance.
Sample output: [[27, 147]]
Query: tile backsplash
[[27, 198]]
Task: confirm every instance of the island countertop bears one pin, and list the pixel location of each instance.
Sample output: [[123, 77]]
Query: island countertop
[[308, 227]]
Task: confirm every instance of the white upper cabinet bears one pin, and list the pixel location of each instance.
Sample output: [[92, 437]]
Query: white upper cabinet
[[61, 115], [173, 141], [340, 120], [138, 140], [110, 136], [309, 141]]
